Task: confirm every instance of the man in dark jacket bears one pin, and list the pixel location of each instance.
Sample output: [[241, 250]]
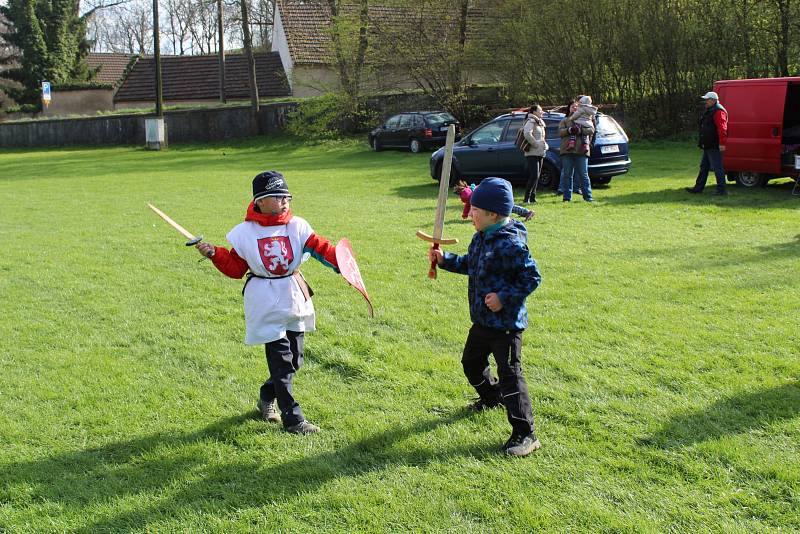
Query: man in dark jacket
[[713, 136]]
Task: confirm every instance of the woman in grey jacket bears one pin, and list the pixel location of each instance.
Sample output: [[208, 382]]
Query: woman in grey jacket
[[533, 130]]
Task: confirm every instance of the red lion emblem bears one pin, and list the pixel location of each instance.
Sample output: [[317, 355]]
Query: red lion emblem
[[276, 254]]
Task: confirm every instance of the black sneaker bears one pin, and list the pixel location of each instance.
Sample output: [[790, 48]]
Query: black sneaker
[[268, 411], [480, 405], [693, 190], [303, 427], [519, 445]]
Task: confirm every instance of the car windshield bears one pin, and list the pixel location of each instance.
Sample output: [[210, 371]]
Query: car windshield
[[489, 133], [439, 119]]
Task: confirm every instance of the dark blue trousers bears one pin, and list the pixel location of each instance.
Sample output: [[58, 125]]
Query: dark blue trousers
[[284, 358], [712, 159]]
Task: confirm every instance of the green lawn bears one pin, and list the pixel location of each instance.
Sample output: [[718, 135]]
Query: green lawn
[[662, 356]]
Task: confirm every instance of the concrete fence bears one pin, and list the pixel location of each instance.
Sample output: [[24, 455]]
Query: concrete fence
[[182, 126]]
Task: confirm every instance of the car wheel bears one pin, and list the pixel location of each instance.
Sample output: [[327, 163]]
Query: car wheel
[[751, 179], [415, 146], [549, 177], [376, 144]]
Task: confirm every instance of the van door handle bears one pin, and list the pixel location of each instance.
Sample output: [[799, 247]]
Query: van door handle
[[775, 131]]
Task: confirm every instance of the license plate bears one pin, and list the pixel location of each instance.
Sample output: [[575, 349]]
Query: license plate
[[609, 149], [443, 128]]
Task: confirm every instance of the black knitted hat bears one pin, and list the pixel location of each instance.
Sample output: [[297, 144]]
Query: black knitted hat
[[270, 184]]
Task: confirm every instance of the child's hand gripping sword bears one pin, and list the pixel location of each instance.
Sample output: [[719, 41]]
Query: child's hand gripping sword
[[444, 188], [186, 233]]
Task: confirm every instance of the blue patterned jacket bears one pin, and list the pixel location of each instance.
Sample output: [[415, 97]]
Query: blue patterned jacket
[[498, 261]]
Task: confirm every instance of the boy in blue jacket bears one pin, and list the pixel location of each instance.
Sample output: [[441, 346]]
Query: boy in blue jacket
[[501, 276]]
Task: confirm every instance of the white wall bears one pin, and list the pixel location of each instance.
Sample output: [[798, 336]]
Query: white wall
[[281, 45]]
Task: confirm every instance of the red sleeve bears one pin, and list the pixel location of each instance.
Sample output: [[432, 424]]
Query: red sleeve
[[229, 263], [322, 249], [721, 120]]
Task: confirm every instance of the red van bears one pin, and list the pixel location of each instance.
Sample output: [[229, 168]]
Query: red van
[[763, 128]]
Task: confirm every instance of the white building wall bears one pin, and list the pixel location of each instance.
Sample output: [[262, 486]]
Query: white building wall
[[281, 45]]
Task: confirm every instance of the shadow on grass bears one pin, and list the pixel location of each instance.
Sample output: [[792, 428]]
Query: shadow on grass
[[181, 477], [733, 415], [737, 198]]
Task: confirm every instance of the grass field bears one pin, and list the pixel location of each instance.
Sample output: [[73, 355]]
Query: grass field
[[662, 356]]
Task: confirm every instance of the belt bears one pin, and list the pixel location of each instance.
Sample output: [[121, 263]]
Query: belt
[[251, 275], [301, 281]]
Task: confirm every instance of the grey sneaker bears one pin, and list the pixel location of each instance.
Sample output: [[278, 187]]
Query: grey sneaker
[[521, 445], [480, 405], [268, 411], [303, 427]]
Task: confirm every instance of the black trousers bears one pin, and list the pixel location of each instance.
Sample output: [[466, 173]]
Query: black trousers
[[534, 171], [511, 388], [284, 358]]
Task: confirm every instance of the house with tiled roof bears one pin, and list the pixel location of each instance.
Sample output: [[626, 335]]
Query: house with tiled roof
[[109, 68], [302, 38], [195, 80], [109, 72]]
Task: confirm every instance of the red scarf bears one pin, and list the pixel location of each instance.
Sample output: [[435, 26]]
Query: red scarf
[[267, 220]]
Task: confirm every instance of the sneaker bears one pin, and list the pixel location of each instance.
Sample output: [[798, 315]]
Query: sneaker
[[268, 411], [521, 445], [480, 405], [693, 190], [303, 427]]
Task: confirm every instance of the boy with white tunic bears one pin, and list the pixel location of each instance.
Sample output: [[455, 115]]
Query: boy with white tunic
[[269, 247]]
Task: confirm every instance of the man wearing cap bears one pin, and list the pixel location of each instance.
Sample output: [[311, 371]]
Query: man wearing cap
[[501, 276], [713, 136], [269, 247]]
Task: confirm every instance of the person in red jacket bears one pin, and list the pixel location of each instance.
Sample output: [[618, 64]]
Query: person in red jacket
[[713, 137], [269, 247]]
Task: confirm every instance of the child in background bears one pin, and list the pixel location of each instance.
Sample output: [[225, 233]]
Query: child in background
[[583, 116], [501, 276], [464, 192]]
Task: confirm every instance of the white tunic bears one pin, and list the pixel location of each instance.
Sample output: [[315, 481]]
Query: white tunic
[[273, 306]]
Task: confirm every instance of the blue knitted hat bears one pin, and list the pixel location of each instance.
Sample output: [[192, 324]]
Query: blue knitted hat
[[495, 195]]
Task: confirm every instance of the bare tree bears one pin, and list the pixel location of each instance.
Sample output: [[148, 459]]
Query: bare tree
[[124, 29]]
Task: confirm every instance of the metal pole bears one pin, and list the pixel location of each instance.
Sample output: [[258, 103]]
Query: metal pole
[[220, 30], [157, 55]]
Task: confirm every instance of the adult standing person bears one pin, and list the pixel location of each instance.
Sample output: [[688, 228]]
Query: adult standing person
[[574, 161], [713, 137], [534, 132]]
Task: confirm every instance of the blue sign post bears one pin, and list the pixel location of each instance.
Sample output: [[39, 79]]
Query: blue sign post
[[46, 93]]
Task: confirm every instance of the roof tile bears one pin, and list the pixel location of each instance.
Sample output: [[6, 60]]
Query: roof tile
[[197, 78]]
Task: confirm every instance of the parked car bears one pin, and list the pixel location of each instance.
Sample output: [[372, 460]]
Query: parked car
[[763, 138], [489, 150], [414, 130]]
